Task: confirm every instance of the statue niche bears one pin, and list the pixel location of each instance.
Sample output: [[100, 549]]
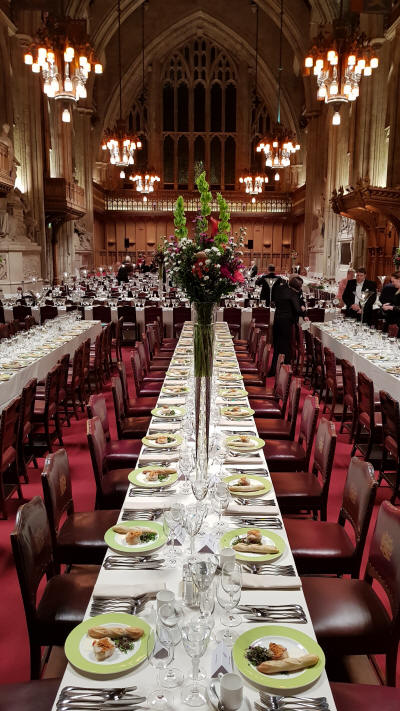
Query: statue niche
[[82, 237]]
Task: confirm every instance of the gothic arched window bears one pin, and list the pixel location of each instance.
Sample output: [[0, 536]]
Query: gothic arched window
[[199, 116]]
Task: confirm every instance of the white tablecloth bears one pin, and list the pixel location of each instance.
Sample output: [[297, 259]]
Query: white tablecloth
[[39, 369], [381, 379], [144, 676]]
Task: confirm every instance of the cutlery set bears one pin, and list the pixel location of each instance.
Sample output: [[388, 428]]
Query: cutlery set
[[129, 605], [150, 491], [274, 613], [117, 562], [269, 569], [254, 500], [266, 521], [72, 698], [291, 703], [133, 515]]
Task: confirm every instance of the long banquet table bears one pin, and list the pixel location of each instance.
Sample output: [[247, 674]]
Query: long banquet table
[[41, 366], [143, 676], [381, 378]]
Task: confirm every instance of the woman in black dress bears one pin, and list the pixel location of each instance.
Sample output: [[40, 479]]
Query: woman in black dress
[[289, 306]]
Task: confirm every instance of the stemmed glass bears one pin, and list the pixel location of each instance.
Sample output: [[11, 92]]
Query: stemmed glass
[[193, 518], [222, 497], [195, 637], [186, 465], [203, 569], [172, 522], [228, 595], [159, 655], [171, 616], [199, 486]]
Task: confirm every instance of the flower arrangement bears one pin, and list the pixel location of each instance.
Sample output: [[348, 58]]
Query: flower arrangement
[[208, 265], [159, 260], [396, 258]]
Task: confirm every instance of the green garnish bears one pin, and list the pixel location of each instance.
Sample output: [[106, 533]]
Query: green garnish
[[239, 539], [161, 477], [148, 536], [256, 655], [124, 644]]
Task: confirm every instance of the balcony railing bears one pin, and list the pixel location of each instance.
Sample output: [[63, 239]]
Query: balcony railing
[[271, 205], [64, 199]]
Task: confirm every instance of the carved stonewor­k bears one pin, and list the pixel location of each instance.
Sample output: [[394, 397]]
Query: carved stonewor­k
[[82, 237]]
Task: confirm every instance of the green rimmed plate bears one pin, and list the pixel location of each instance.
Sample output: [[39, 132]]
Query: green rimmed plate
[[267, 537], [180, 361], [232, 393], [173, 409], [297, 644], [229, 442], [175, 389], [116, 541], [174, 440], [245, 412], [177, 373], [267, 485], [138, 477], [79, 652], [234, 377], [4, 377]]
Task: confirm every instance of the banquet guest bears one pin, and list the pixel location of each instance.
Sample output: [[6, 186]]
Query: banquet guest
[[289, 306], [253, 271], [125, 270], [269, 282], [391, 308], [352, 294], [343, 283]]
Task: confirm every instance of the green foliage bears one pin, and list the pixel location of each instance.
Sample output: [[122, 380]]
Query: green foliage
[[180, 219], [224, 226]]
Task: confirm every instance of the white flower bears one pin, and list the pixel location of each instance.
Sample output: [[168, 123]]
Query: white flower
[[208, 261], [206, 278]]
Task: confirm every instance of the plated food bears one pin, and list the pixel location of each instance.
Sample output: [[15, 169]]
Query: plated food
[[135, 537], [168, 411], [278, 657], [153, 476], [254, 544], [237, 412], [162, 440], [177, 373], [229, 377], [248, 485], [108, 643], [233, 393], [175, 389], [244, 443]]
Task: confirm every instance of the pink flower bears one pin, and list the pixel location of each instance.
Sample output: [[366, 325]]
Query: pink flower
[[214, 226], [224, 271], [238, 276]]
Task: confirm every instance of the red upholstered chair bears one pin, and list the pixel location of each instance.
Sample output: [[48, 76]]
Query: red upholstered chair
[[253, 368], [180, 314], [147, 389], [117, 453], [156, 351], [79, 539], [248, 356], [390, 464], [64, 599], [141, 406], [366, 697], [318, 380], [102, 313], [111, 483], [45, 413], [276, 428], [333, 382], [128, 315], [233, 317], [275, 408], [127, 427], [349, 379], [9, 481], [152, 313], [266, 392], [95, 374], [243, 344], [29, 695], [257, 374], [148, 375], [116, 340], [369, 423], [261, 316], [24, 447], [286, 456], [48, 313], [74, 382], [20, 312], [349, 617], [321, 547], [308, 491], [316, 315], [159, 363], [309, 361]]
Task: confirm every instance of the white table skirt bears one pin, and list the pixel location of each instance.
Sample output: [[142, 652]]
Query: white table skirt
[[381, 379], [39, 369], [144, 676]]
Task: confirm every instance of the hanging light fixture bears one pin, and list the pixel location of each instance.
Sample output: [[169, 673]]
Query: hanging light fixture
[[145, 183], [281, 144], [120, 145], [339, 58], [61, 52], [253, 184]]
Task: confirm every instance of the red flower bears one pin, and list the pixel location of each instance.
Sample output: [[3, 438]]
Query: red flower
[[224, 271], [214, 226], [238, 276]]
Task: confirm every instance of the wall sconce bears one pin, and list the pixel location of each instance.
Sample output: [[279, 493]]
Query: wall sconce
[[285, 244], [150, 243], [267, 245]]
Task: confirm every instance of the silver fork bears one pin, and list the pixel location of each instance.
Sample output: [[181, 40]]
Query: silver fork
[[293, 702], [242, 501], [269, 569], [133, 493], [131, 515]]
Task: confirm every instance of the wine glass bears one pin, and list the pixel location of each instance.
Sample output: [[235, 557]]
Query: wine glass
[[193, 518], [228, 595], [199, 487], [186, 465], [195, 637], [172, 522], [222, 497], [159, 655], [203, 569], [171, 616]]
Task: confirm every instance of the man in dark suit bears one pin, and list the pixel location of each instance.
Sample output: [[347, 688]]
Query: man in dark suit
[[268, 283], [352, 294], [391, 302], [290, 306]]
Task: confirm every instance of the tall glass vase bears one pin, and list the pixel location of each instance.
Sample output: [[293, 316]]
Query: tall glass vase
[[203, 360]]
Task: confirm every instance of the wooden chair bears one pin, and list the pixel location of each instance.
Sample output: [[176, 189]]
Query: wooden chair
[[24, 432], [349, 697], [141, 406], [111, 483], [276, 428], [349, 380], [64, 599], [45, 413], [309, 361], [48, 313], [180, 314], [284, 455], [129, 323], [318, 380], [127, 427], [116, 341], [95, 374], [73, 385], [333, 382], [9, 481], [316, 314], [389, 469], [369, 423], [79, 539], [275, 407], [147, 374], [102, 313], [325, 548], [29, 695], [143, 389], [267, 392], [119, 453], [348, 615], [233, 317]]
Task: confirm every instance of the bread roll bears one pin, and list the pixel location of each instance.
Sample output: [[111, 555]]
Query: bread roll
[[115, 632], [246, 487], [262, 548], [289, 664]]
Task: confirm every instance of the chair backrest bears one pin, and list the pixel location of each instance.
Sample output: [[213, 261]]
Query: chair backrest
[[97, 448], [390, 423], [26, 408], [324, 452], [29, 322], [127, 313], [309, 345], [77, 367], [316, 314], [260, 350], [319, 355], [265, 358], [102, 313], [384, 559], [366, 407], [139, 346], [136, 369], [255, 336], [283, 385], [32, 549], [393, 330], [279, 363], [4, 330], [152, 313], [349, 384], [261, 315], [97, 407], [8, 432], [57, 490], [47, 313], [86, 356], [51, 391], [293, 405], [233, 315], [20, 312], [118, 399], [357, 504], [330, 368], [308, 423], [121, 367], [180, 314]]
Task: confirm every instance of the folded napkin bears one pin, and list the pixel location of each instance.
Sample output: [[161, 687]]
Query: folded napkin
[[242, 459], [161, 456], [172, 400], [270, 582], [147, 503], [237, 423], [109, 590], [236, 509], [165, 426]]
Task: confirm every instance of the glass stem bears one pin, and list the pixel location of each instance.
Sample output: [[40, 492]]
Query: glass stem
[[192, 544], [172, 552], [195, 670]]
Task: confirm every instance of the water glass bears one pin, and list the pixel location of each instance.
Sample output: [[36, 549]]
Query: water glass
[[203, 569], [159, 655], [195, 637], [170, 618], [172, 522], [222, 498]]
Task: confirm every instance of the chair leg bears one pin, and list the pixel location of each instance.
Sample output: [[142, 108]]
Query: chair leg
[[396, 489], [47, 436], [66, 413], [356, 436], [36, 659], [58, 429], [391, 664], [343, 418]]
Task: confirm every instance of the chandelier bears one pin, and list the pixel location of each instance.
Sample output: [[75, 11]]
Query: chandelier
[[120, 145], [339, 59], [253, 184], [281, 144], [61, 52], [145, 183]]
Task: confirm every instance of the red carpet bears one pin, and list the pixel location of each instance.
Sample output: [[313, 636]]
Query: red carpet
[[14, 646]]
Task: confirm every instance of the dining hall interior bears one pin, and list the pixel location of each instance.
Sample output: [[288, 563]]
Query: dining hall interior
[[200, 355]]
